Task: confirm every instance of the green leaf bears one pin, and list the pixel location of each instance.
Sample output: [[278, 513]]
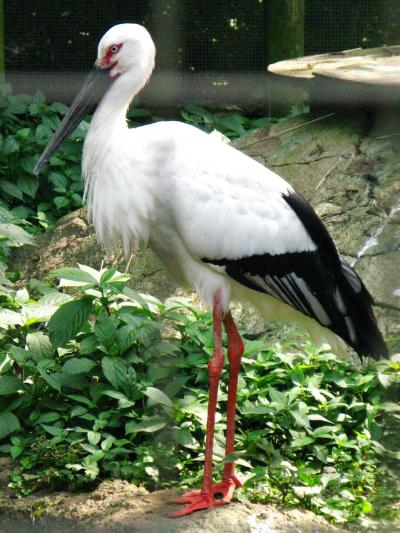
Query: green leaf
[[61, 201], [123, 401], [105, 330], [93, 437], [88, 345], [53, 430], [301, 442], [75, 274], [39, 346], [325, 432], [79, 365], [60, 108], [158, 396], [11, 189], [126, 336], [9, 146], [278, 398], [386, 379], [10, 318], [184, 438], [149, 425], [115, 370], [28, 185], [15, 235], [301, 419], [68, 320], [48, 417], [9, 423], [28, 163], [10, 385], [52, 379], [59, 180], [5, 363]]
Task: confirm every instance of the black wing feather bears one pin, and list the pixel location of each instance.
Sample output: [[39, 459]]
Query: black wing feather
[[317, 283]]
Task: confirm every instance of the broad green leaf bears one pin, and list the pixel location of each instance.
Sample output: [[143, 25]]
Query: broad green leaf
[[53, 430], [158, 396], [325, 432], [279, 398], [11, 189], [10, 318], [28, 162], [54, 298], [115, 370], [301, 442], [61, 202], [5, 363], [149, 425], [52, 379], [88, 345], [105, 330], [75, 274], [126, 336], [9, 423], [60, 108], [81, 399], [48, 417], [10, 145], [15, 235], [123, 401], [386, 379], [10, 385], [78, 365], [93, 272], [39, 346], [184, 438], [93, 437], [301, 419], [68, 320], [18, 354], [28, 185]]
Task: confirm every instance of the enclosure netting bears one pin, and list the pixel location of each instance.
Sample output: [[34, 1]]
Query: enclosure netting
[[191, 36]]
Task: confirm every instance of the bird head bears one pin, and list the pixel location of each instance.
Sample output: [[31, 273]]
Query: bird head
[[125, 48]]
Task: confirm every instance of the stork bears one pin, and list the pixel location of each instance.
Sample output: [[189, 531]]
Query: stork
[[219, 221]]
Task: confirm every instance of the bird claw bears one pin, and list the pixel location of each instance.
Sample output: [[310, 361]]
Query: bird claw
[[197, 500], [196, 503]]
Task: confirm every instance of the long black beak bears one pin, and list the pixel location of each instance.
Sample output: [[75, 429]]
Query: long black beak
[[93, 88]]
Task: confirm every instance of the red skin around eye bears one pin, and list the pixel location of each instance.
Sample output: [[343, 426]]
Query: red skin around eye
[[107, 58]]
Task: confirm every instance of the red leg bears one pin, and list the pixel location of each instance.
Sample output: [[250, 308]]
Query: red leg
[[204, 499], [235, 352]]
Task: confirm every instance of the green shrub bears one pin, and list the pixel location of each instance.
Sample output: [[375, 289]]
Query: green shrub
[[110, 383], [27, 124]]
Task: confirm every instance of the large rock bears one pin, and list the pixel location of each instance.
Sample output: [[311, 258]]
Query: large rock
[[346, 168]]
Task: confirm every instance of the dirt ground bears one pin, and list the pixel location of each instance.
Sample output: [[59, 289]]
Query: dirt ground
[[117, 506]]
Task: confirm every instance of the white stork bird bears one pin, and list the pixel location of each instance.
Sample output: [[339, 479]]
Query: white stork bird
[[219, 221]]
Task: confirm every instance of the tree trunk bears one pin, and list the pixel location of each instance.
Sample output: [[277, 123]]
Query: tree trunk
[[285, 29]]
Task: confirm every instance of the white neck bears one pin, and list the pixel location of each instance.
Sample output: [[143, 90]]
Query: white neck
[[111, 111]]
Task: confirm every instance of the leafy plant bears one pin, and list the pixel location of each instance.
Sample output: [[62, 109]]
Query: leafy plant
[[111, 383], [27, 124], [231, 120]]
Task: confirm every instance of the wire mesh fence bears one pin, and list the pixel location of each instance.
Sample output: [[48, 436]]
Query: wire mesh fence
[[206, 47]]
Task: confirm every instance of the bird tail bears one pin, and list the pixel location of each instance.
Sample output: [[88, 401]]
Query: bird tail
[[359, 325]]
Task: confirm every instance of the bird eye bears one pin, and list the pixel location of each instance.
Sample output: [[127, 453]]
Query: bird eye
[[114, 49]]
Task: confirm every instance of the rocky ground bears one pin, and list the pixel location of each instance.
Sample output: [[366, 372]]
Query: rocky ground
[[117, 506]]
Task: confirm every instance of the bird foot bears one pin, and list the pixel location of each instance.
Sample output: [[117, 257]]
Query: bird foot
[[197, 500]]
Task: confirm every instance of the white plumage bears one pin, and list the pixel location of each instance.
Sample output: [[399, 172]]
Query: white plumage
[[219, 221]]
